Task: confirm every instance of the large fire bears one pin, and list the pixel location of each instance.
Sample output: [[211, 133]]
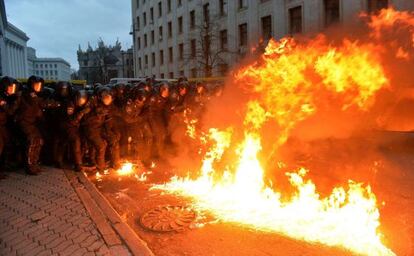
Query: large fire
[[289, 84]]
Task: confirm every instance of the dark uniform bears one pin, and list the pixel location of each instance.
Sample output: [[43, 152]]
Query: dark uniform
[[158, 115], [28, 115], [93, 124], [71, 115], [9, 100]]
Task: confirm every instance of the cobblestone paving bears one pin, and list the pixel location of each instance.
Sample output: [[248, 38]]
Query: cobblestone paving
[[43, 215]]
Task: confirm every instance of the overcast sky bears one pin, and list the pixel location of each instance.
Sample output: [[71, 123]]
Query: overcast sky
[[57, 27]]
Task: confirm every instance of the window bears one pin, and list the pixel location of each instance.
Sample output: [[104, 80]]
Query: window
[[181, 73], [170, 55], [242, 4], [162, 57], [223, 7], [180, 25], [193, 48], [138, 3], [169, 5], [145, 18], [193, 72], [295, 20], [152, 15], [55, 72], [267, 27], [139, 63], [153, 59], [224, 69], [145, 40], [138, 24], [170, 29], [171, 75], [181, 51], [152, 37], [146, 61], [223, 39], [377, 5], [331, 11], [192, 19], [206, 13], [243, 34], [160, 32], [46, 66], [159, 9], [162, 75], [41, 65], [139, 43], [55, 65], [180, 2]]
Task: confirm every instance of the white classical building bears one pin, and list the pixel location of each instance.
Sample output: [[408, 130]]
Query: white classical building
[[16, 52], [170, 36], [3, 25]]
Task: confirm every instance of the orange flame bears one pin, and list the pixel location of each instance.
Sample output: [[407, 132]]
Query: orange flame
[[285, 86]]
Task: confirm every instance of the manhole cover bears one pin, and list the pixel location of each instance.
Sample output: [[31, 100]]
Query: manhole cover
[[168, 218]]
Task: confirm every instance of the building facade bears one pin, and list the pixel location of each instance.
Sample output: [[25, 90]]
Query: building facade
[[205, 37], [103, 63], [15, 64], [52, 68], [3, 25]]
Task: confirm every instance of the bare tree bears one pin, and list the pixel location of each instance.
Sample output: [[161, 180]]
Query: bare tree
[[209, 52]]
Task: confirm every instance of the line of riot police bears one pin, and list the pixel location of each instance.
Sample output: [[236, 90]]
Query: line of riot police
[[94, 126]]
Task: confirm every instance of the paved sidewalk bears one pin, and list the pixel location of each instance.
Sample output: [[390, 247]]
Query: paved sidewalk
[[46, 215]]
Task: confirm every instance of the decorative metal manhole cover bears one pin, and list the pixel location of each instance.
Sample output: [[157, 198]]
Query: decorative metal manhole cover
[[168, 218]]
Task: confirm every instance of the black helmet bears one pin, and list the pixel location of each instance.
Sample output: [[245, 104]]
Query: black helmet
[[105, 95], [47, 92], [64, 89], [139, 95], [35, 84], [9, 85], [81, 98]]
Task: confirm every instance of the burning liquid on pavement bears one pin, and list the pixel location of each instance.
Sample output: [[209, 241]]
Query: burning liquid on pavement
[[289, 84]]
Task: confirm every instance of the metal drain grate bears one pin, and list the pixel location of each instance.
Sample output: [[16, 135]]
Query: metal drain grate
[[168, 218]]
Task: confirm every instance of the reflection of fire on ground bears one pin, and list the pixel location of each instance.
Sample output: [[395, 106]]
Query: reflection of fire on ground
[[298, 93]]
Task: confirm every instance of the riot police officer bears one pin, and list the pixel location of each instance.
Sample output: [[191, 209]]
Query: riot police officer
[[28, 115], [8, 104]]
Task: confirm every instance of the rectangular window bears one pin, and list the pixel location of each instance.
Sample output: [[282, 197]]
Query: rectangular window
[[162, 57], [138, 3], [193, 72], [171, 75], [223, 7], [170, 29], [180, 2], [377, 5], [243, 34], [169, 5], [267, 27], [192, 19], [160, 32], [152, 37], [331, 11], [242, 4], [206, 13], [159, 9], [193, 48], [181, 73], [146, 61], [295, 20], [153, 59], [145, 40], [139, 43], [181, 51], [170, 55], [180, 25], [139, 63], [152, 15], [145, 18], [138, 24], [223, 39], [55, 65], [162, 75]]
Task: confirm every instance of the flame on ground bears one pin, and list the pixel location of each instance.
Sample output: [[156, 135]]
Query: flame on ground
[[288, 84]]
